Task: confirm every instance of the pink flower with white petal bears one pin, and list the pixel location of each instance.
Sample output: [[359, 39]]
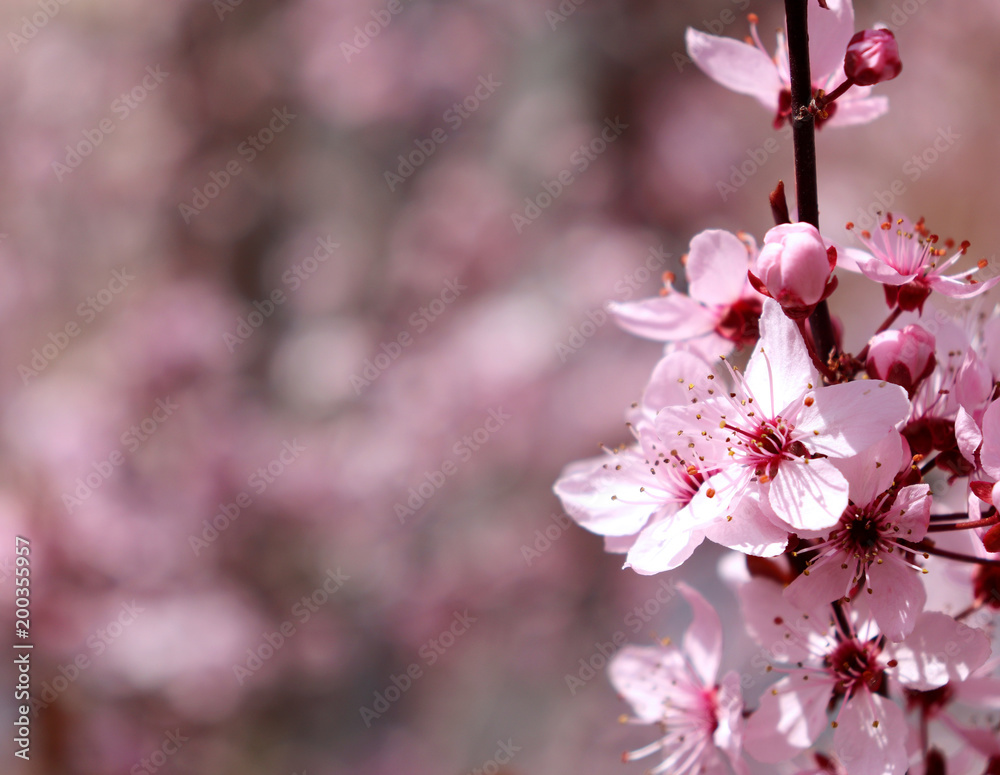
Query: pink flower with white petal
[[749, 69], [702, 719], [844, 660], [767, 445], [719, 311], [863, 551], [639, 495], [904, 256]]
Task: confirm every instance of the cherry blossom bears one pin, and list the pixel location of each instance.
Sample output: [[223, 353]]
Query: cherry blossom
[[769, 442], [904, 256], [862, 553], [719, 311], [842, 658], [677, 688], [747, 68], [640, 494]]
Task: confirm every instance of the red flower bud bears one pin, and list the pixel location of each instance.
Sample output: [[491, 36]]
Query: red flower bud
[[872, 57]]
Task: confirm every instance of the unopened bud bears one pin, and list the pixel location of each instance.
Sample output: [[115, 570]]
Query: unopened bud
[[872, 57], [904, 357], [794, 268]]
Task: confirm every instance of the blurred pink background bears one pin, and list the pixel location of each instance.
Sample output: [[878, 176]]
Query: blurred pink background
[[282, 410]]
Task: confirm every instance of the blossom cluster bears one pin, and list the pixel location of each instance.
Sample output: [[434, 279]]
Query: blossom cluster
[[857, 489]]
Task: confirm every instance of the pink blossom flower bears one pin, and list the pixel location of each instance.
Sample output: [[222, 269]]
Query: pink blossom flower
[[863, 550], [767, 444], [721, 309], [639, 495], [749, 69], [794, 268], [846, 659], [904, 257], [702, 720], [872, 57]]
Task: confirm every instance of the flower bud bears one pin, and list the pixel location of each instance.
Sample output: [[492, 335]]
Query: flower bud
[[794, 268], [903, 357], [872, 57]]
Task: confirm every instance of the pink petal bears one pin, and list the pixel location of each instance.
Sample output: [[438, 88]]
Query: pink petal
[[808, 494], [716, 267], [703, 639], [913, 511], [667, 318], [788, 721], [769, 617], [668, 384], [850, 259], [898, 598], [585, 489], [990, 454], [662, 546], [737, 66], [728, 735], [827, 581], [780, 368], [881, 272], [937, 651], [870, 473], [645, 676], [750, 530], [856, 112], [967, 434], [830, 30], [957, 289], [867, 749], [851, 417]]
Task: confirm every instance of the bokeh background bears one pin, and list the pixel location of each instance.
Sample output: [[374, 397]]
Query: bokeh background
[[252, 508]]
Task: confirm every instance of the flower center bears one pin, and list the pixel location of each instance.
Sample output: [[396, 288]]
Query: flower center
[[740, 324], [854, 665]]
